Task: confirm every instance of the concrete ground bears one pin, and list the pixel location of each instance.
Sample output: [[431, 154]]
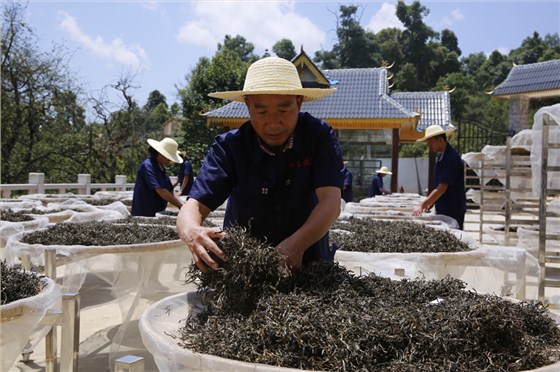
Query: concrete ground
[[101, 318]]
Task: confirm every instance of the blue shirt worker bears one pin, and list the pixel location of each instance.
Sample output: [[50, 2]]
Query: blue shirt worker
[[347, 186], [281, 170], [153, 189], [448, 194], [185, 176], [376, 187]]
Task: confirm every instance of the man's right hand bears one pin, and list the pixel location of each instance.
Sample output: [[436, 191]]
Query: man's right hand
[[201, 241]]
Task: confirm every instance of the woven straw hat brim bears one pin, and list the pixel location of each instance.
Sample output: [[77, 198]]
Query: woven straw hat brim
[[173, 156], [273, 75], [447, 132], [383, 170], [309, 94]]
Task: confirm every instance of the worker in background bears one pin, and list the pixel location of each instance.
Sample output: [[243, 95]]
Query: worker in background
[[153, 189], [376, 187], [185, 176], [448, 194]]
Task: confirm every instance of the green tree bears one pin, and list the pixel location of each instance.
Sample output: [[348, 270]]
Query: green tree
[[414, 41], [117, 139], [536, 49], [356, 47], [284, 49], [493, 71], [39, 105], [240, 46], [449, 40], [155, 98], [225, 71], [390, 47], [157, 109]]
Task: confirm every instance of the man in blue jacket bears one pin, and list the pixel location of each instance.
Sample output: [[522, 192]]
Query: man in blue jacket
[[153, 189], [376, 187], [281, 172], [448, 194]]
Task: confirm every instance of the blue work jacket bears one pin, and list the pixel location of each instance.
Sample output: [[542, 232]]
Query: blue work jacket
[[271, 195], [145, 200], [450, 170]]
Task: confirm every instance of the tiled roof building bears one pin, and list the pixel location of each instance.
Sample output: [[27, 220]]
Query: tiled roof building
[[362, 110], [362, 100], [534, 80]]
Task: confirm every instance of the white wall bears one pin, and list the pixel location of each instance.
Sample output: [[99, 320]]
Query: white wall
[[413, 177], [413, 173]]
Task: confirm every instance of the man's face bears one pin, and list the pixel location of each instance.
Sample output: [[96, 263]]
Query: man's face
[[436, 144], [274, 117], [163, 160]]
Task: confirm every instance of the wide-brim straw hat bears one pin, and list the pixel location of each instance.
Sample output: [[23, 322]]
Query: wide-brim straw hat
[[273, 75], [434, 130], [383, 170], [168, 148]]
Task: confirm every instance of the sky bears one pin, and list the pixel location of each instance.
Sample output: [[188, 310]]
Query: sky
[[157, 43]]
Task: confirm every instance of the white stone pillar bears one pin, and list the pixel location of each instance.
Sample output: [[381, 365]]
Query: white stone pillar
[[38, 179], [120, 181], [84, 180]]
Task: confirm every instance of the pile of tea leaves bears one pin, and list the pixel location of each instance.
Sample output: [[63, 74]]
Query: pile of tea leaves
[[162, 220], [239, 283], [100, 233], [17, 284], [375, 236], [169, 221], [325, 318], [107, 201], [11, 216], [49, 211]]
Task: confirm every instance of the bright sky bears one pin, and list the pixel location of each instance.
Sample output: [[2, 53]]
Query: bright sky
[[159, 42]]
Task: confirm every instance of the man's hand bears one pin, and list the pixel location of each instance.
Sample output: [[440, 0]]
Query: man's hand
[[292, 257], [199, 239], [418, 210]]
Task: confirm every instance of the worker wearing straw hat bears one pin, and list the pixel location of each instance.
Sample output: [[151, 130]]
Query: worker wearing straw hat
[[153, 188], [448, 194], [376, 187], [281, 172], [185, 175]]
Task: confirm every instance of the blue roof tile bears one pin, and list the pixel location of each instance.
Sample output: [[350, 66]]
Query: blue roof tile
[[532, 77], [434, 107], [363, 94]]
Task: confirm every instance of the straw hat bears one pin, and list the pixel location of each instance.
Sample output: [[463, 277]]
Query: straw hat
[[273, 75], [383, 170], [167, 147], [434, 130]]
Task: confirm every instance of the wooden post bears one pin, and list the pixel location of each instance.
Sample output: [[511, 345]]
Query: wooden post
[[431, 172], [395, 161]]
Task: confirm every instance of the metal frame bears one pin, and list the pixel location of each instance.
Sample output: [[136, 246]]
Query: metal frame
[[546, 257], [68, 318]]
